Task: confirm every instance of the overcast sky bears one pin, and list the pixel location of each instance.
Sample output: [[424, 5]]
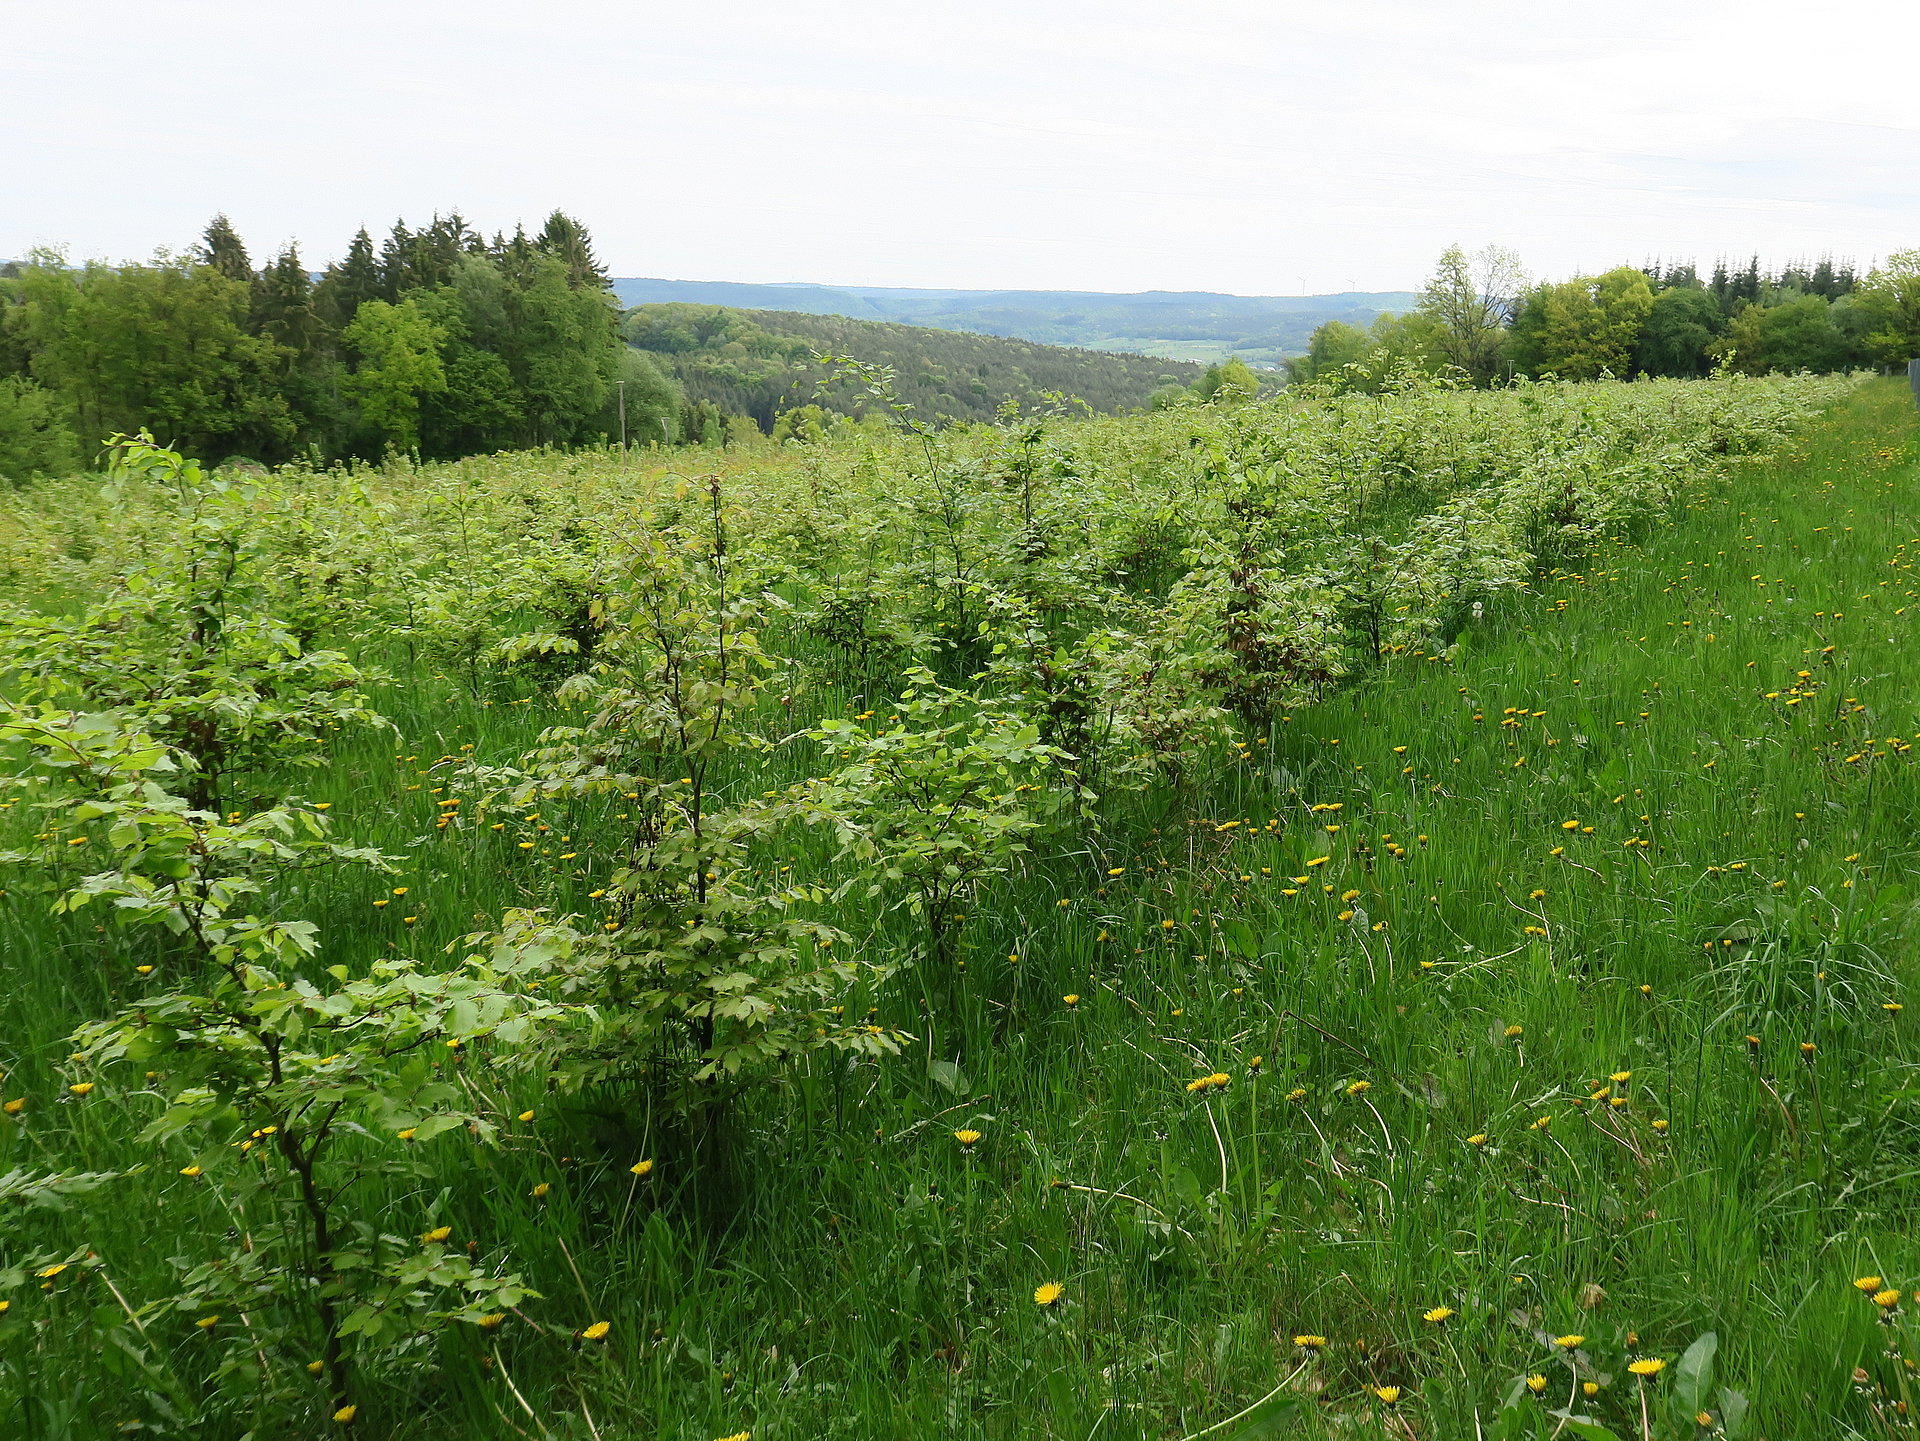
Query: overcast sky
[[1255, 146]]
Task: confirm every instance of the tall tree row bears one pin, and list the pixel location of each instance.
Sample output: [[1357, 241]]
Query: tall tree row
[[437, 340], [1480, 317]]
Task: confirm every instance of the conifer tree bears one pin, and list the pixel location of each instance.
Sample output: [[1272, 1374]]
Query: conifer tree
[[284, 305], [221, 248], [349, 283], [285, 312], [433, 254], [566, 239], [1722, 287], [396, 262]]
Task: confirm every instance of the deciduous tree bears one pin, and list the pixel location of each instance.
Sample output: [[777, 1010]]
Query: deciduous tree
[[399, 349], [1891, 296], [1471, 299]]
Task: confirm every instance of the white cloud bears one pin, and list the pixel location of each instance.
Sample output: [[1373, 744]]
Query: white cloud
[[1249, 145]]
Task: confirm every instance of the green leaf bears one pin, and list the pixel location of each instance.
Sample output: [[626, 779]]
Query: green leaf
[[1733, 1412], [1693, 1375], [1268, 1419], [949, 1076], [1584, 1426], [433, 1126]]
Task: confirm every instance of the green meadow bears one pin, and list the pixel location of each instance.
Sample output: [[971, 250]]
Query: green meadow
[[1374, 915]]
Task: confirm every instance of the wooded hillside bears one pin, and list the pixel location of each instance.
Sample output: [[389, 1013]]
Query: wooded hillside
[[762, 363]]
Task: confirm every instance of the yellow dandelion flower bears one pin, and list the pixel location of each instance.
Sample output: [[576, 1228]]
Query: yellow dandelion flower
[[81, 1088], [190, 1171], [1569, 1343], [491, 1321], [437, 1235], [1886, 1300], [1389, 1395], [1070, 1001], [1298, 1093], [541, 1190], [526, 1115], [314, 1368], [967, 1138], [641, 1168], [1589, 1388], [1310, 1343], [1537, 1384], [346, 1414], [1647, 1367], [1513, 1033], [1479, 1138], [1359, 1088], [1867, 1285], [1437, 1315], [1048, 1294], [207, 1323], [597, 1331]]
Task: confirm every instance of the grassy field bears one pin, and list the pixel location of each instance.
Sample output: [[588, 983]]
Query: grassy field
[[1546, 993]]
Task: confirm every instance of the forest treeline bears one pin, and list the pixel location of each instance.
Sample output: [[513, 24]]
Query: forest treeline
[[766, 364], [1480, 315], [437, 340], [442, 342]]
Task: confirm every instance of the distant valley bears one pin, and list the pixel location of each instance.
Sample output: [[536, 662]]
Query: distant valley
[[1263, 330]]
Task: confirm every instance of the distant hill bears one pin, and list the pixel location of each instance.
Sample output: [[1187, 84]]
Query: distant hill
[[1183, 325], [760, 363]]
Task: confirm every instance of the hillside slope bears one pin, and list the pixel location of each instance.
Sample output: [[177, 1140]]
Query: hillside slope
[[1182, 324], [762, 362]]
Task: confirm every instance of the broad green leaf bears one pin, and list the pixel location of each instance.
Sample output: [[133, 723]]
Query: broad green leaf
[[1693, 1375], [1272, 1418]]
